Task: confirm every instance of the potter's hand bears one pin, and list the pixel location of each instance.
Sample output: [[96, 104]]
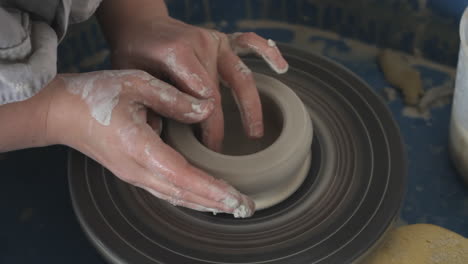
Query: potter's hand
[[113, 117], [192, 57]]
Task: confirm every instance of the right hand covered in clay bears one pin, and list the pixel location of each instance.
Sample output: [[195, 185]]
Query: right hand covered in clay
[[114, 118], [195, 59]]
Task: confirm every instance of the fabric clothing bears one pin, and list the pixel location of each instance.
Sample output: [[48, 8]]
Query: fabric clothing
[[29, 34]]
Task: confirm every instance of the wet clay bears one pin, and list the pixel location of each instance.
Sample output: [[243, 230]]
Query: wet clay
[[269, 169]]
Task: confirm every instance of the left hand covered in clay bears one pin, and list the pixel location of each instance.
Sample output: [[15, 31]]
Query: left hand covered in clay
[[193, 58]]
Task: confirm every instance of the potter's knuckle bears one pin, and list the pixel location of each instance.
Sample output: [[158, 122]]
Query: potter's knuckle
[[174, 45], [208, 40], [222, 36], [200, 33], [249, 35]]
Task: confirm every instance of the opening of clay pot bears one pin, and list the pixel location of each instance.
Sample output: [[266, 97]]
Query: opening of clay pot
[[236, 142]]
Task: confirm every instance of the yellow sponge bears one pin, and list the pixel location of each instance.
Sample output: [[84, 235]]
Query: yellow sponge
[[421, 244]]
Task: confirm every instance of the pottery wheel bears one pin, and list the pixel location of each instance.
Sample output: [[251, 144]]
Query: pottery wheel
[[351, 196]]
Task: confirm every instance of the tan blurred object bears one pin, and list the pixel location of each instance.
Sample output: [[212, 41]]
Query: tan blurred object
[[400, 74], [421, 244]]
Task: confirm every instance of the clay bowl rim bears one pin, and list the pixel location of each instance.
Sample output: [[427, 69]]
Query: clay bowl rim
[[278, 138], [289, 127]]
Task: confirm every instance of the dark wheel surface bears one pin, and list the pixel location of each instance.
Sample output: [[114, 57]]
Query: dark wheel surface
[[352, 194]]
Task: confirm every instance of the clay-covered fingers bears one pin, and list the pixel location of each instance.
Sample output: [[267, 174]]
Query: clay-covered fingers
[[140, 176], [188, 74], [238, 77], [168, 101], [213, 127], [178, 196], [176, 201], [172, 176], [246, 43]]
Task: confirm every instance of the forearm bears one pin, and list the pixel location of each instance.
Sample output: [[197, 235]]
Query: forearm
[[114, 14], [24, 123]]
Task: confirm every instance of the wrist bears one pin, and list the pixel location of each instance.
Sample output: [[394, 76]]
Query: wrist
[[53, 90], [27, 122], [64, 120]]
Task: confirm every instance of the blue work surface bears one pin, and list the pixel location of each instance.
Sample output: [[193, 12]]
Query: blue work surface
[[39, 225]]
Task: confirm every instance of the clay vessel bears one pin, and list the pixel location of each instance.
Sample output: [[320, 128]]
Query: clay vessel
[[268, 170]]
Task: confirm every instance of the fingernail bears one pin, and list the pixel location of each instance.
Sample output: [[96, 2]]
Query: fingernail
[[283, 69], [201, 107], [205, 92], [279, 68]]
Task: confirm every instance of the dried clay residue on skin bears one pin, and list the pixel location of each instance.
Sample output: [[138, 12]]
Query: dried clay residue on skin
[[176, 202], [164, 91], [271, 43], [127, 134], [242, 68], [138, 116], [241, 210], [238, 203], [197, 108], [171, 62], [101, 99], [197, 111], [252, 49]]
